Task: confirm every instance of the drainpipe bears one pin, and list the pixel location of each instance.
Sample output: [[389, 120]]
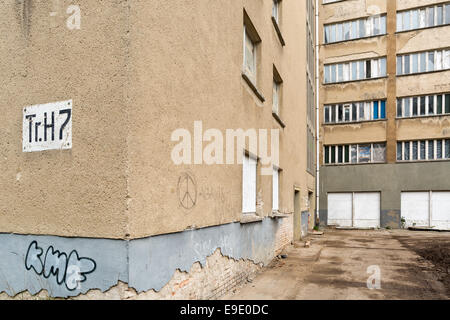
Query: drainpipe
[[317, 113]]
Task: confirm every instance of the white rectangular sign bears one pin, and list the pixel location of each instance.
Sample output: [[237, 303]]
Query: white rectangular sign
[[47, 127]]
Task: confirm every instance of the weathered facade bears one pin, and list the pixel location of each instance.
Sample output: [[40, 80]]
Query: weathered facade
[[385, 113], [114, 211]]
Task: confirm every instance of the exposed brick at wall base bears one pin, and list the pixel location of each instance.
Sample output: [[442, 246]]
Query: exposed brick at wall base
[[285, 233], [219, 276], [207, 275]]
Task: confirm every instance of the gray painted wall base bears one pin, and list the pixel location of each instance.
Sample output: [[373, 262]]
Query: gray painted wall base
[[68, 267], [388, 179], [305, 222]]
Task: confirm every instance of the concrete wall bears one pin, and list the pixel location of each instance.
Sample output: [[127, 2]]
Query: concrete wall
[[193, 66], [389, 179], [78, 192], [136, 72]]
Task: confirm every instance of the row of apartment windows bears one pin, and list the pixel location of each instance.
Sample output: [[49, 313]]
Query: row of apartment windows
[[429, 61], [423, 150], [357, 111], [423, 106], [412, 19], [419, 106], [356, 153], [356, 29], [423, 18], [355, 70], [436, 60]]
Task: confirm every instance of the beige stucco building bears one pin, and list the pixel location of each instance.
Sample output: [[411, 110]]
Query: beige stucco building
[[385, 113], [103, 205]]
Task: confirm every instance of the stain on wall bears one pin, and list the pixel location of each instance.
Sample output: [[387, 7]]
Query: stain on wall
[[23, 13]]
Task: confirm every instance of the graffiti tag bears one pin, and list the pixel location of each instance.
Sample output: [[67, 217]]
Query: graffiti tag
[[70, 270]]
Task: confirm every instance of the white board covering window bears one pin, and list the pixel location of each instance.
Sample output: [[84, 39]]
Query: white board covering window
[[249, 57], [275, 189], [276, 98], [249, 184]]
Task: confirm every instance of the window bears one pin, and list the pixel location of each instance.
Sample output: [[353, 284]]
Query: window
[[422, 106], [251, 43], [354, 154], [275, 189], [311, 151], [447, 13], [430, 150], [399, 151], [355, 70], [276, 97], [379, 152], [423, 18], [276, 10], [249, 57], [423, 62], [355, 29], [249, 184], [356, 111]]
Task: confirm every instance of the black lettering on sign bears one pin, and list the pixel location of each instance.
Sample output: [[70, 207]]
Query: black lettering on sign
[[69, 114], [49, 126], [30, 121], [69, 270]]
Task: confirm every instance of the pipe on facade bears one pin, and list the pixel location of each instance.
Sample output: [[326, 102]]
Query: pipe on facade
[[316, 33]]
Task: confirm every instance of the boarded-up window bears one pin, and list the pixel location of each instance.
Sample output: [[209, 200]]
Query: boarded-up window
[[275, 189], [249, 184]]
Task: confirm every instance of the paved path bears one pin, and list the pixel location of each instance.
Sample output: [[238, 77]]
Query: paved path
[[335, 267]]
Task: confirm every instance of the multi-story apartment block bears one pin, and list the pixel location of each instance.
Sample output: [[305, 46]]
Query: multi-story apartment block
[[121, 169], [385, 113]]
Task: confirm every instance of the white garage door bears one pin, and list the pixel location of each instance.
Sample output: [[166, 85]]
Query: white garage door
[[367, 210], [361, 210], [415, 208], [440, 210], [426, 209], [340, 209]]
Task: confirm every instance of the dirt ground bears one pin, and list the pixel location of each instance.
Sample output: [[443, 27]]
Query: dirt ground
[[413, 265]]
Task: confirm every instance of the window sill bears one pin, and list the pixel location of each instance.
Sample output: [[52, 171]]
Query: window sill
[[352, 122], [350, 81], [250, 218], [350, 164], [282, 124], [324, 4], [422, 161], [277, 29], [420, 29], [424, 116], [279, 215], [253, 87], [351, 40], [421, 73]]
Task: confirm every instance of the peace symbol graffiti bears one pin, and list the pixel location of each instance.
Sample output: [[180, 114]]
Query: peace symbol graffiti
[[187, 191]]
